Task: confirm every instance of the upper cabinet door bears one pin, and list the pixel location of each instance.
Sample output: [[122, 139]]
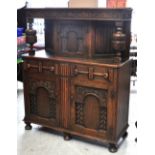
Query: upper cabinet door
[[67, 38], [91, 105]]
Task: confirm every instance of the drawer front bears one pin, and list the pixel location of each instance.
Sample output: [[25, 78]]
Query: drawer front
[[95, 73], [43, 67]]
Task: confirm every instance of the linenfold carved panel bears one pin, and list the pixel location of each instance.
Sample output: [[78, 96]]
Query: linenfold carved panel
[[103, 33], [91, 102], [42, 99]]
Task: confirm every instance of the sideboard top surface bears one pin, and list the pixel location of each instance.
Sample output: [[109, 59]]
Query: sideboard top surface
[[103, 62]]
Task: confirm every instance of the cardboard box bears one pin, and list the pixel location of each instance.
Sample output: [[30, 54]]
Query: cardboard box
[[116, 3], [83, 4]]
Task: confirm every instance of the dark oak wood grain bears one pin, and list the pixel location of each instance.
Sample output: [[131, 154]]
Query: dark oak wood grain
[[76, 86]]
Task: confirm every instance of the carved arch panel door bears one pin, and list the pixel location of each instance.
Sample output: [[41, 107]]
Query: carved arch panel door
[[91, 106], [42, 101]]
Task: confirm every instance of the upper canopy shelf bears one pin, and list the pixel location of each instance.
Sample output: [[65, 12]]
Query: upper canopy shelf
[[105, 14]]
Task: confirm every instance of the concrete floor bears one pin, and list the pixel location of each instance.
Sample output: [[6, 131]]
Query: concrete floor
[[41, 141]]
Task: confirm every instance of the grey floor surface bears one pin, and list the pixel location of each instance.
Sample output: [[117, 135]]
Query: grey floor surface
[[41, 141]]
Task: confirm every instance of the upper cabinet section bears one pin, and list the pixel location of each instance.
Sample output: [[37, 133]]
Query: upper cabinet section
[[85, 32]]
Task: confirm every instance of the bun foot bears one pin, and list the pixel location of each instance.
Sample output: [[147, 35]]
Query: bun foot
[[67, 136], [112, 148], [28, 126], [125, 135]]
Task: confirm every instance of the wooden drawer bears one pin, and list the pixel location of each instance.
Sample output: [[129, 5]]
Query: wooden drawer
[[38, 66], [91, 72]]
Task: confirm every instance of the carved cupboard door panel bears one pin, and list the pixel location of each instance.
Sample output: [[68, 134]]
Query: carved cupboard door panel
[[43, 101], [70, 38], [91, 104], [41, 88]]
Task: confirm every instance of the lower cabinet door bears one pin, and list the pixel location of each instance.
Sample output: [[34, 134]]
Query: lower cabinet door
[[42, 101], [90, 108]]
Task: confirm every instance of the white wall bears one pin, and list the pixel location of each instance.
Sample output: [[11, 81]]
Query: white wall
[[48, 3], [101, 3]]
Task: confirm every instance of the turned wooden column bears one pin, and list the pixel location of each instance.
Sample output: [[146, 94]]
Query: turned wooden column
[[119, 41], [31, 37]]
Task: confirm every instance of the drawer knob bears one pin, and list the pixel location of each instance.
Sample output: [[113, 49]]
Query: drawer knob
[[76, 71], [52, 68], [28, 65], [105, 75], [72, 97]]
